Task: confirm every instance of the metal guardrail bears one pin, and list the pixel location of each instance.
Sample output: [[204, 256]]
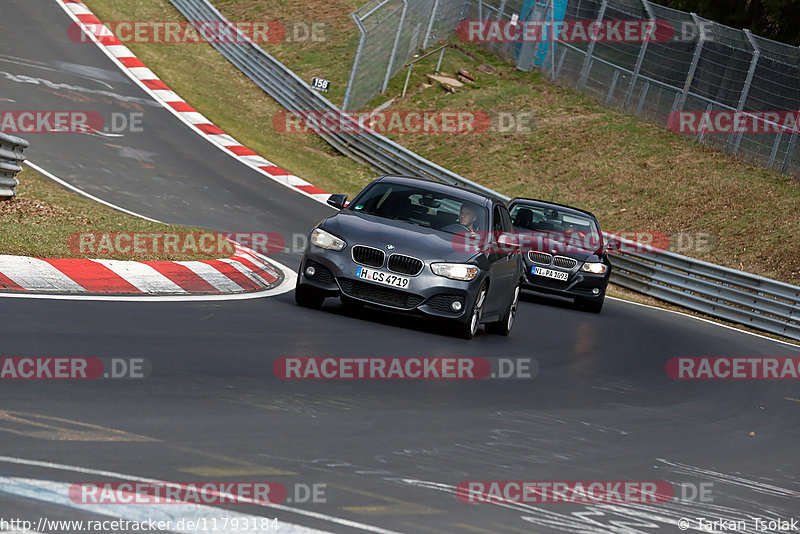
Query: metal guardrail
[[11, 148], [296, 95], [717, 291]]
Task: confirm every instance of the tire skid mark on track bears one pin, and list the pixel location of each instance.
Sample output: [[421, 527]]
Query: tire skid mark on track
[[617, 518], [133, 478]]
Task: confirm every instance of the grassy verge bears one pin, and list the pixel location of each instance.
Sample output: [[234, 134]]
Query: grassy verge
[[40, 219], [634, 176]]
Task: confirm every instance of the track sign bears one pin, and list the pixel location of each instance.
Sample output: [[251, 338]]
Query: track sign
[[320, 84]]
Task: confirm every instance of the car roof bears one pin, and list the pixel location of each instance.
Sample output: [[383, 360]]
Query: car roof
[[546, 204], [440, 187]]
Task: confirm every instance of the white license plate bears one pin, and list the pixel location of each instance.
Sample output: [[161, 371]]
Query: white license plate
[[381, 277], [550, 273]]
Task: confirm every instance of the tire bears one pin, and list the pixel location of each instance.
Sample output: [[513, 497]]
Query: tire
[[307, 297], [591, 306], [506, 323], [469, 326]]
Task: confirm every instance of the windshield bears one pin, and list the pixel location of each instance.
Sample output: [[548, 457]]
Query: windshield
[[559, 225], [422, 207]]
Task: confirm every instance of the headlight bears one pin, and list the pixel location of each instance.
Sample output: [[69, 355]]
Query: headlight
[[323, 239], [596, 268], [455, 271]]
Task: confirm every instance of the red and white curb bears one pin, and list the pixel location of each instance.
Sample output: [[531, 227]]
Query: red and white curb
[[243, 272], [153, 85]]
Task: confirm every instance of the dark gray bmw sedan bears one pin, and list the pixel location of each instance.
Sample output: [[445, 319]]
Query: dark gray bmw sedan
[[417, 246]]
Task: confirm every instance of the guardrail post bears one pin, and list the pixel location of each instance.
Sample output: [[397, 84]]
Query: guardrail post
[[11, 148], [394, 47], [587, 63], [695, 60], [745, 92], [356, 61], [640, 59], [434, 12], [787, 159]]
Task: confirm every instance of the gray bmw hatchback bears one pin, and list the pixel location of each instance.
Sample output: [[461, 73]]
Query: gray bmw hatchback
[[417, 246]]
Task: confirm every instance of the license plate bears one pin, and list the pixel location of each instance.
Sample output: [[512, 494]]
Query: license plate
[[381, 277], [550, 273]]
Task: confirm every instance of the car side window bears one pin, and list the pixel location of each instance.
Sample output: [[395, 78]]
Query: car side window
[[497, 222], [508, 226]]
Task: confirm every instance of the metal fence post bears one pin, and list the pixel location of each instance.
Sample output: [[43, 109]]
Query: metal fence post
[[434, 12], [695, 60], [502, 10], [787, 158], [360, 49], [639, 59], [745, 92], [588, 61], [394, 47]]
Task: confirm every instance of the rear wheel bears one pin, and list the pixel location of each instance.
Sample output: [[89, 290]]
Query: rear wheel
[[506, 323], [592, 306], [469, 326], [308, 297]]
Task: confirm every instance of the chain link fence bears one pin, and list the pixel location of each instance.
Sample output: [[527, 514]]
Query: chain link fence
[[689, 65], [391, 33]]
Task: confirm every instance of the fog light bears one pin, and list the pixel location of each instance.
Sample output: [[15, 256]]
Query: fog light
[[310, 271], [456, 305], [595, 291]]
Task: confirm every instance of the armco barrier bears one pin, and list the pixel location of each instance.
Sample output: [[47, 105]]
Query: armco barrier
[[10, 157], [720, 292], [295, 95]]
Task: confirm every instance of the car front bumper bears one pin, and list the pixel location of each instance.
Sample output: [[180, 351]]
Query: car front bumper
[[580, 284], [428, 294]]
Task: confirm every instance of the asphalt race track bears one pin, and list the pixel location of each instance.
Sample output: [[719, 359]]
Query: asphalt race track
[[389, 453]]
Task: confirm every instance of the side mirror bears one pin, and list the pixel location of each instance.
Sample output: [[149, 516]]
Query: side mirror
[[337, 201]]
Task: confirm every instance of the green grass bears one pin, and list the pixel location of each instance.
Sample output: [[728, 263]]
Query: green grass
[[40, 219], [634, 176]]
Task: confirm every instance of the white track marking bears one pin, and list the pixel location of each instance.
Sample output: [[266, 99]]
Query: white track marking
[[142, 276], [85, 194], [289, 276], [162, 97], [289, 279], [690, 316], [205, 516], [36, 275], [134, 478]]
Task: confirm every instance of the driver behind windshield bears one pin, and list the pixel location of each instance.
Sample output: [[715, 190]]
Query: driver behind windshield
[[468, 217]]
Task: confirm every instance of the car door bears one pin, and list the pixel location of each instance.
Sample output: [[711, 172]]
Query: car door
[[504, 266]]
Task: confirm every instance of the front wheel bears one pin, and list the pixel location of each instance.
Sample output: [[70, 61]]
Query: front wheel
[[591, 306], [506, 323], [308, 297], [469, 326]]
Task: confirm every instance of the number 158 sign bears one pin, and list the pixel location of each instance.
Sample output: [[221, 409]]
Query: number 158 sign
[[320, 84]]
